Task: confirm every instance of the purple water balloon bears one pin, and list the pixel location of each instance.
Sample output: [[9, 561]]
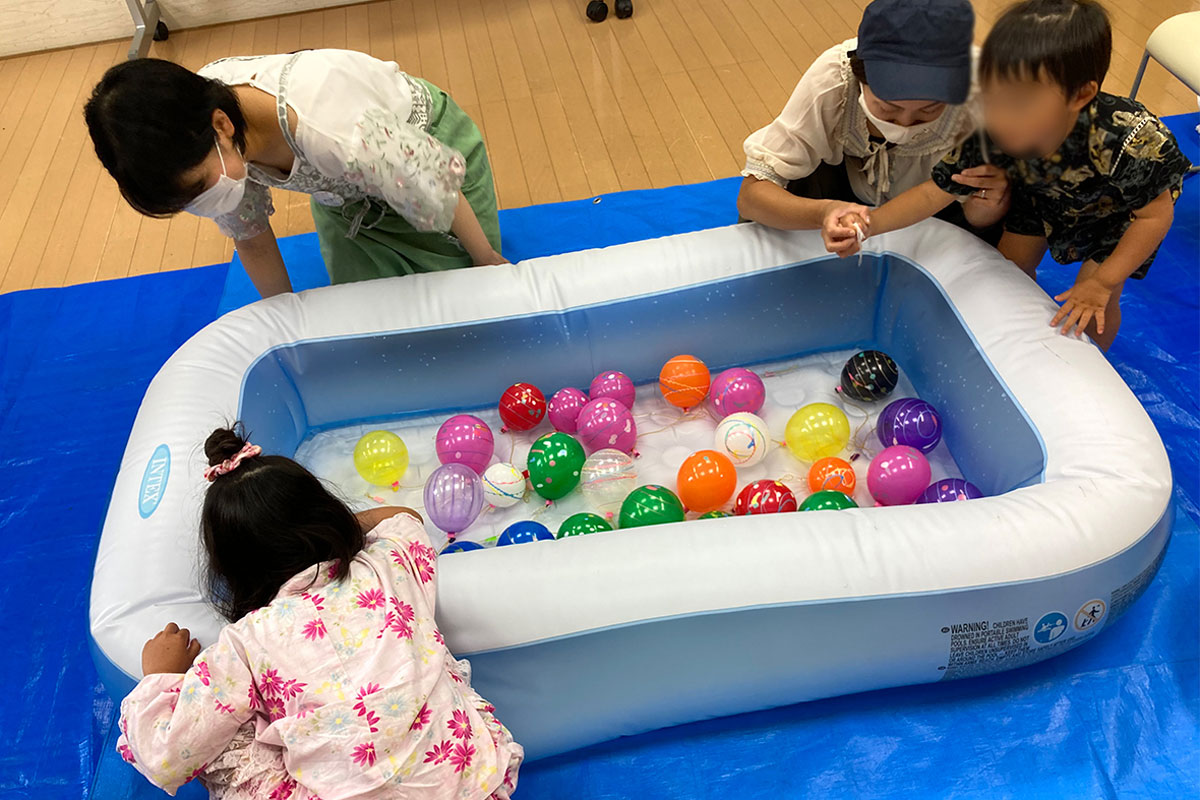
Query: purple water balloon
[[607, 423], [949, 490], [564, 409], [615, 386], [453, 498], [735, 390], [912, 422], [467, 440]]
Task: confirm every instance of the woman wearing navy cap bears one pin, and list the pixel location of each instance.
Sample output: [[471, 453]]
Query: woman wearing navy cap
[[870, 118]]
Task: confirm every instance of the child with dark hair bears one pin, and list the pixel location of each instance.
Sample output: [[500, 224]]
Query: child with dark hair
[[331, 679], [1094, 176], [398, 173]]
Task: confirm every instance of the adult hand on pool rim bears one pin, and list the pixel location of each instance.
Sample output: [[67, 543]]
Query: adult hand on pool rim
[[838, 234], [1084, 301], [170, 652]]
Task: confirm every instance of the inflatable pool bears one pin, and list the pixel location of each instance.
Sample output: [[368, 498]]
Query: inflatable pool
[[593, 637]]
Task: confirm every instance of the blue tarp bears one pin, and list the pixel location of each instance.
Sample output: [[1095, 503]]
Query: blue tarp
[[1114, 718]]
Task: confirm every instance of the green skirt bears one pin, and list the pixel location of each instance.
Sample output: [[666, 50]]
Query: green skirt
[[392, 246]]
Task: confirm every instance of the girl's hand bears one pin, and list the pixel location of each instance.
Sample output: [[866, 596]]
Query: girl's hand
[[1084, 301], [371, 517], [837, 229], [171, 651], [490, 259]]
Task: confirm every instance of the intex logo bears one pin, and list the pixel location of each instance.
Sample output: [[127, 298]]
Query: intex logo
[[154, 481]]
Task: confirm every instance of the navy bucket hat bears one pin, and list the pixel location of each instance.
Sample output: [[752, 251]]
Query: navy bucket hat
[[917, 49]]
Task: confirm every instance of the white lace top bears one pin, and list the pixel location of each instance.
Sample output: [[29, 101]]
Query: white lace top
[[822, 122], [362, 132]]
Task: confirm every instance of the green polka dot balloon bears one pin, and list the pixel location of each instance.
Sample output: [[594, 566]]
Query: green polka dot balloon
[[554, 464], [582, 524]]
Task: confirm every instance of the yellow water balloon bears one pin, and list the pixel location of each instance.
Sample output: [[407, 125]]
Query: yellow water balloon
[[816, 431], [381, 458]]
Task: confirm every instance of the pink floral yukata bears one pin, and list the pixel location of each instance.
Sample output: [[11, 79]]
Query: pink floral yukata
[[337, 689]]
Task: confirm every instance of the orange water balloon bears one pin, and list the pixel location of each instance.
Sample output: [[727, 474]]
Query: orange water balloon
[[706, 481], [684, 381], [832, 474]]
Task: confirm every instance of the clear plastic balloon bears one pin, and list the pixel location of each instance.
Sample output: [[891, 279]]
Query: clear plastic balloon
[[607, 478], [381, 458]]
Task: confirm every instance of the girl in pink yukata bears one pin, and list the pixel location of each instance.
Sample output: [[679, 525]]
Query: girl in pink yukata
[[331, 679]]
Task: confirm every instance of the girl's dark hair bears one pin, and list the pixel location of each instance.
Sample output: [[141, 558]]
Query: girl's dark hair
[[1067, 41], [264, 523], [859, 69], [150, 122]]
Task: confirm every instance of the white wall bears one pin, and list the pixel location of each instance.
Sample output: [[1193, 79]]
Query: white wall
[[27, 26]]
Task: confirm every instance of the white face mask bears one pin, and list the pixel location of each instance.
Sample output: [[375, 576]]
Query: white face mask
[[896, 134], [222, 197]]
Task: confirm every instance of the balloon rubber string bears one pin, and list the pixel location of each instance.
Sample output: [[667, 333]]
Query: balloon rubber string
[[691, 415], [856, 439], [383, 501]]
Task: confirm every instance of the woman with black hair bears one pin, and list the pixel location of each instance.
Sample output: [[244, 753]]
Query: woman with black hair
[[398, 173], [870, 118]]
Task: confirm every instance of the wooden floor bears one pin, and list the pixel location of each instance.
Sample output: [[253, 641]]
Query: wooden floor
[[569, 109]]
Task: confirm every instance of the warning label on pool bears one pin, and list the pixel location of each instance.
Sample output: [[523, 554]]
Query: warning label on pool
[[981, 646]]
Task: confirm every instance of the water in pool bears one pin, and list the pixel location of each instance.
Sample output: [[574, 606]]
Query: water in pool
[[666, 436]]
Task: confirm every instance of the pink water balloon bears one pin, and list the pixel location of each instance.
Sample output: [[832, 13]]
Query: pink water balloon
[[737, 390], [467, 440], [564, 409], [606, 423], [898, 476], [615, 386]]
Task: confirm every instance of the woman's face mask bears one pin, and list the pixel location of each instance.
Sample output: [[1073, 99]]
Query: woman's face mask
[[896, 134], [223, 196]]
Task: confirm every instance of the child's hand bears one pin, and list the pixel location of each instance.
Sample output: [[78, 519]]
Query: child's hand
[[369, 518], [491, 259], [861, 226], [837, 229], [1084, 301], [171, 651]]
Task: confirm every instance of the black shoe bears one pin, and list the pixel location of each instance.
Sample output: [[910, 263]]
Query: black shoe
[[624, 9], [597, 10]]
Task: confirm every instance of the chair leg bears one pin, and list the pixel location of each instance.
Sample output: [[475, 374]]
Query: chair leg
[[1141, 71]]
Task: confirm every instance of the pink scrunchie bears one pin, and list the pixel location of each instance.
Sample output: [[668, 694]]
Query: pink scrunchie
[[230, 464]]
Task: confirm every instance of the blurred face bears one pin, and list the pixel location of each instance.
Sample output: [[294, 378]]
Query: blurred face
[[1031, 118], [905, 113]]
